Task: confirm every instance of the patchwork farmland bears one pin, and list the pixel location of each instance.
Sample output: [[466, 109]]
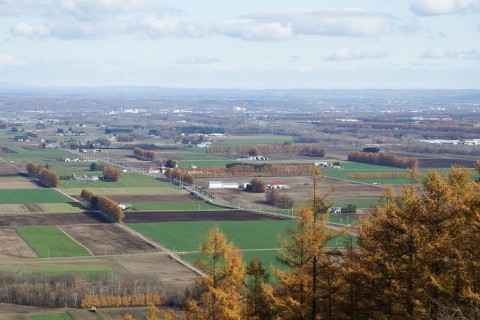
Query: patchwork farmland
[[156, 205]]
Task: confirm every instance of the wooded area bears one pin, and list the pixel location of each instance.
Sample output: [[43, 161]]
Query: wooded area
[[417, 258]]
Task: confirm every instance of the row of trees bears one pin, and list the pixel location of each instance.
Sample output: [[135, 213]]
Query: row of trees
[[69, 289], [103, 204], [180, 175], [286, 148], [144, 154], [242, 169], [417, 258], [383, 158], [376, 175], [45, 176], [125, 138], [312, 151], [109, 301]]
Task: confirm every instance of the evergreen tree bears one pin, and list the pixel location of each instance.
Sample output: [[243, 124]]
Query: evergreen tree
[[222, 288]]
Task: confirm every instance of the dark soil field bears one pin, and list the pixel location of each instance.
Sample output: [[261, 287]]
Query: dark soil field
[[444, 163], [52, 219], [231, 215], [12, 246], [115, 240], [6, 170]]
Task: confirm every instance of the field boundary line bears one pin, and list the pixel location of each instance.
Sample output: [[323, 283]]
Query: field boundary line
[[76, 241], [172, 254]]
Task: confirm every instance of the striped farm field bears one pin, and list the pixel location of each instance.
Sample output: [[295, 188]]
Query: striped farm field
[[50, 242], [26, 196], [174, 206], [51, 316]]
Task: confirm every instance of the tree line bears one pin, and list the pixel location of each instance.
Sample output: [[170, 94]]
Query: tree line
[[144, 154], [115, 301], [376, 175], [45, 176], [417, 257], [70, 289], [104, 205], [180, 175], [383, 159], [243, 169], [286, 148]]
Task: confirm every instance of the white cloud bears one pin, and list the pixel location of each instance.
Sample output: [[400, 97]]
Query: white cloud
[[10, 61], [255, 30], [92, 10], [440, 53], [158, 27], [442, 7], [198, 60], [471, 54], [19, 7], [347, 22], [29, 30], [352, 54]]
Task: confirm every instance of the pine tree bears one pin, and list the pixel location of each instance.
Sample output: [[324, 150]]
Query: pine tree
[[305, 290], [223, 288], [257, 297]]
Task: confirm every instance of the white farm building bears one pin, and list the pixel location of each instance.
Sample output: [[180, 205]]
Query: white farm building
[[222, 185]]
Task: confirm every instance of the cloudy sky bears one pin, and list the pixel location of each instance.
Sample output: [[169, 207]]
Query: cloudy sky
[[242, 44]]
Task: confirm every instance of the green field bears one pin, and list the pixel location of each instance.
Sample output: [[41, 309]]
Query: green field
[[174, 206], [251, 140], [91, 270], [185, 236], [50, 242], [51, 316], [355, 167], [27, 196], [36, 155], [359, 203], [127, 180], [215, 163], [163, 190], [268, 257]]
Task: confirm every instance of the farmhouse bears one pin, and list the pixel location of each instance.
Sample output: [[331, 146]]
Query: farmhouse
[[257, 158], [335, 210], [222, 185], [277, 185], [204, 144]]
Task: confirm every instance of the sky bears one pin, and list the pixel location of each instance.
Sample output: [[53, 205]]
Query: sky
[[261, 44]]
